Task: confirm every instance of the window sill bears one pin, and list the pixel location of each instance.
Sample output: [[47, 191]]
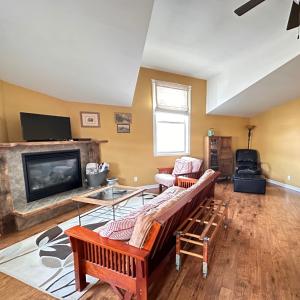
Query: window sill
[[171, 154]]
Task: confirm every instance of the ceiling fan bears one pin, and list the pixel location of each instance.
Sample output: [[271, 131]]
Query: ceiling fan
[[294, 19]]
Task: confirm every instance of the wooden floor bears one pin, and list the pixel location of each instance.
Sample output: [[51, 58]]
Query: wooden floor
[[257, 258]]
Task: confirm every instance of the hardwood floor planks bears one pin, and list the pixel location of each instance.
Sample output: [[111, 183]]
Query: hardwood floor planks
[[258, 257]]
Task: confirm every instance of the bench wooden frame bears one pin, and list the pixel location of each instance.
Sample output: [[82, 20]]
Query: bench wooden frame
[[130, 270], [200, 229]]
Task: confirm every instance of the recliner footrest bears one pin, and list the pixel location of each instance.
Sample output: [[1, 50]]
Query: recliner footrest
[[249, 184]]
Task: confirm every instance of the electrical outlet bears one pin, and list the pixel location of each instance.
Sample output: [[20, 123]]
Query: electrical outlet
[[289, 177], [135, 179]]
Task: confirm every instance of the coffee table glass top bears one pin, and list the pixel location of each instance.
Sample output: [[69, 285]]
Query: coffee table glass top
[[109, 196], [111, 193]]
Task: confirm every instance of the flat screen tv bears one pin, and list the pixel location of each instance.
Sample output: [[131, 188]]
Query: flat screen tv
[[36, 127]]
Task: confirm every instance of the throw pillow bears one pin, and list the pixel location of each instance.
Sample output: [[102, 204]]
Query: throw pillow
[[182, 166], [196, 163], [122, 229]]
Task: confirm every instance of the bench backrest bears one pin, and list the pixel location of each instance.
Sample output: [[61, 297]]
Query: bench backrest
[[161, 237]]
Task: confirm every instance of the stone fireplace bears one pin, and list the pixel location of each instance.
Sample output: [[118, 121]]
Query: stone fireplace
[[38, 179]]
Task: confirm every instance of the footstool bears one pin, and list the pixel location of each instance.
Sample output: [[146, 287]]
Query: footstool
[[246, 183]]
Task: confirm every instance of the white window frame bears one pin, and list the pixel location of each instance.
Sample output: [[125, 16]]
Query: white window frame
[[188, 88]]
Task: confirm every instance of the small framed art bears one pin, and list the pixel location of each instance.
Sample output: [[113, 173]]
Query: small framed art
[[123, 128], [90, 119], [123, 118]]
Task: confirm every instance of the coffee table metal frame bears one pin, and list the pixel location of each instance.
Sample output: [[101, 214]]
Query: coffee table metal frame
[[103, 204]]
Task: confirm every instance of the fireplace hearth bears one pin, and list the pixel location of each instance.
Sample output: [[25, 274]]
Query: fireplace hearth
[[49, 173]]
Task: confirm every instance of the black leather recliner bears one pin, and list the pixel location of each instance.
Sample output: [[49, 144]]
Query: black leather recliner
[[248, 177]]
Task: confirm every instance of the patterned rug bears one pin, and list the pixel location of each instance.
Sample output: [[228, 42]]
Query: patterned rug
[[45, 261]]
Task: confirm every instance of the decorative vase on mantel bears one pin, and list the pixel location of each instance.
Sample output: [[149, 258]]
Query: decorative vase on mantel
[[211, 132]]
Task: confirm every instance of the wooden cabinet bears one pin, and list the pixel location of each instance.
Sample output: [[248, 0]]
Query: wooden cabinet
[[218, 155]]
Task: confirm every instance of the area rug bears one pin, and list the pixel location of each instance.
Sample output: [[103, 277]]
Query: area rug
[[45, 261]]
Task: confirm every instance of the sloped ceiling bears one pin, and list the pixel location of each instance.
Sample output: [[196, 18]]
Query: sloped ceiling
[[91, 50], [78, 50], [205, 39], [278, 87]]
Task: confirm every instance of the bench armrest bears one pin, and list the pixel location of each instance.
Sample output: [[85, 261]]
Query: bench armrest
[[186, 182], [89, 236], [190, 175], [167, 170]]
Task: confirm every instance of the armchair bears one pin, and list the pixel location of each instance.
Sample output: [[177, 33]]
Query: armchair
[[248, 177], [247, 162], [184, 166]]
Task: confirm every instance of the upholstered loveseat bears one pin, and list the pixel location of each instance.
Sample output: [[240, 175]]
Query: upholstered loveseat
[[130, 267]]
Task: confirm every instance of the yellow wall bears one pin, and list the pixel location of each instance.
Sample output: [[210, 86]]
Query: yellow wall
[[129, 154], [277, 138], [3, 133]]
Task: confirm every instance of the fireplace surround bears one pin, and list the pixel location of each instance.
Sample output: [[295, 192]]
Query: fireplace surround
[[16, 212], [51, 172]]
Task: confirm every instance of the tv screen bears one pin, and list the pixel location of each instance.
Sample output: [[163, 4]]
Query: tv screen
[[37, 127]]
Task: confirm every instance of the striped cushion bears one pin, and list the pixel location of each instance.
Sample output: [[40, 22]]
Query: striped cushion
[[166, 195], [146, 219], [122, 229], [119, 229]]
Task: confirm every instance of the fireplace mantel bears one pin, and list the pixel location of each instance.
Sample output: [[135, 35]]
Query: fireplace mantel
[[49, 143]]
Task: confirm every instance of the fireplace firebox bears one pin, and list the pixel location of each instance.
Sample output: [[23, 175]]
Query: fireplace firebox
[[49, 173]]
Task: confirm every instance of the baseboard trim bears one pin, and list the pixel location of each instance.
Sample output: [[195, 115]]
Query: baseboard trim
[[284, 185]]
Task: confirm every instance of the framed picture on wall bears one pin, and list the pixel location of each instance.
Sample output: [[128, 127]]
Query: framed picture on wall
[[123, 128], [89, 119], [123, 118]]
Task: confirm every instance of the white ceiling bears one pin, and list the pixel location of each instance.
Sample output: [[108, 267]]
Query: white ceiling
[[78, 50], [91, 50], [278, 87], [206, 39], [202, 38]]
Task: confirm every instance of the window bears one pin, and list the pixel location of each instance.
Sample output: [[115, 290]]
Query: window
[[171, 118]]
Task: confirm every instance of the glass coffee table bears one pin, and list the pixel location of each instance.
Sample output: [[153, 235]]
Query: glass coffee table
[[110, 196]]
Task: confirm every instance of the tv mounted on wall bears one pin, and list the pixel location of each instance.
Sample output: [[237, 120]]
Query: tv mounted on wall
[[36, 127]]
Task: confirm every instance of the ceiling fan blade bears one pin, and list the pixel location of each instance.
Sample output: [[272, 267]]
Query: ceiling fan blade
[[247, 6], [294, 20]]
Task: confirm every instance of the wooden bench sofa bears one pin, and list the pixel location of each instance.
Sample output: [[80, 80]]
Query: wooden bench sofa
[[131, 270]]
